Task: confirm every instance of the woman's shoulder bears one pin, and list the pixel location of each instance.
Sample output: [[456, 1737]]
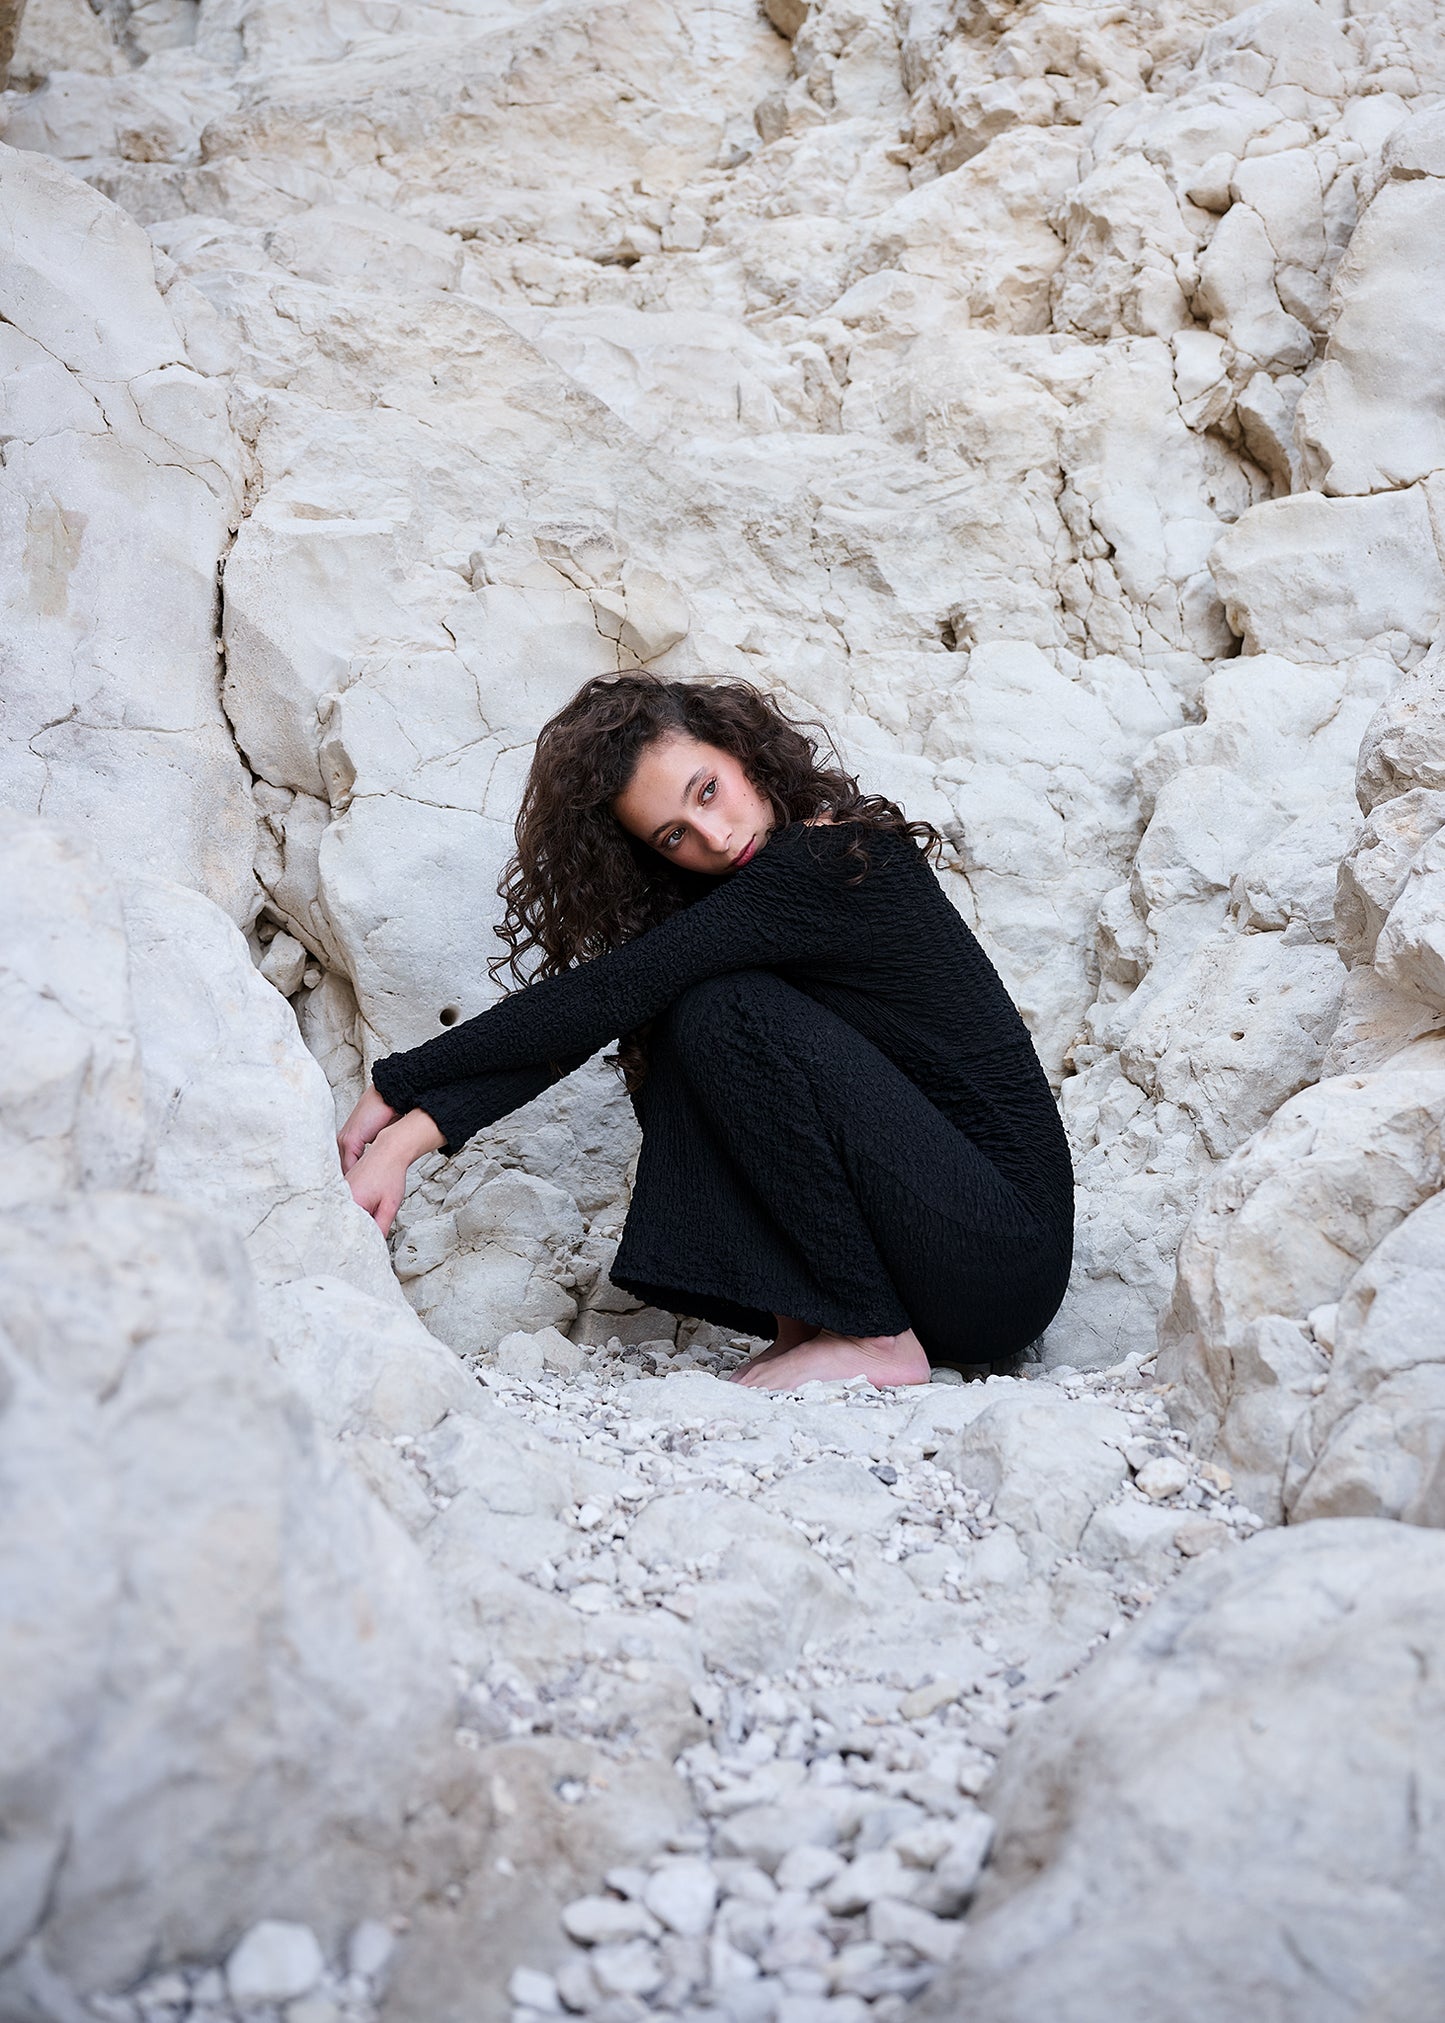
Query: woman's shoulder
[[828, 844]]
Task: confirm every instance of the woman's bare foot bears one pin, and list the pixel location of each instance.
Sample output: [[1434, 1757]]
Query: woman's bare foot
[[789, 1333], [882, 1359]]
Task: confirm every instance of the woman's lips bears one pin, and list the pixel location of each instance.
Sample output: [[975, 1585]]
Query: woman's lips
[[743, 855]]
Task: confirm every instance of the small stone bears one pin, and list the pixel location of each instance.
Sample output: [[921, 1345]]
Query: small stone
[[1199, 1535], [273, 1963], [369, 1948], [284, 964], [683, 1894], [531, 1989], [518, 1355], [855, 1965], [822, 2009], [923, 1846], [1164, 1476], [747, 1883], [632, 1968], [727, 1963], [808, 1868], [748, 2002], [879, 1874], [1217, 1478], [576, 1986], [620, 2009], [167, 1989], [603, 1921], [764, 1833], [885, 1473], [893, 1923], [926, 1700], [313, 2009]]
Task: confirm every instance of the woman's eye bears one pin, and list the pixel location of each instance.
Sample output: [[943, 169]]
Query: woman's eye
[[673, 837], [708, 791]]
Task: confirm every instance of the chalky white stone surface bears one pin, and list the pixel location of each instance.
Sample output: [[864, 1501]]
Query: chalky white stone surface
[[979, 380]]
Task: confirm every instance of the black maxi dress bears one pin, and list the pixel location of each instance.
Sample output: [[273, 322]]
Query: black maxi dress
[[843, 1117]]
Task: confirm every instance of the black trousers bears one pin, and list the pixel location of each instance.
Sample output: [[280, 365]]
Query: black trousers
[[788, 1167]]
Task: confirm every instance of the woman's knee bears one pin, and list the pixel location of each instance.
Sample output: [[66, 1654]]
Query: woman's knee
[[713, 1015]]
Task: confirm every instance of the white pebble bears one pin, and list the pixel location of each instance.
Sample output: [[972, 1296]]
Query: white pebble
[[530, 1989], [808, 1868], [576, 1986], [633, 1968], [873, 1875], [893, 1923], [926, 1700], [602, 1921], [1164, 1476], [313, 2009], [683, 1894], [273, 1963], [369, 1948]]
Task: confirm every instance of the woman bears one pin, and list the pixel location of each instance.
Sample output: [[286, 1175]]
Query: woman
[[847, 1140]]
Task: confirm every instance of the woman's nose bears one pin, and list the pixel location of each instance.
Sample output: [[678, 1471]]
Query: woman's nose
[[716, 832]]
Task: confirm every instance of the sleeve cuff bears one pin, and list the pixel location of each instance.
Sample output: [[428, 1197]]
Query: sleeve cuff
[[391, 1084]]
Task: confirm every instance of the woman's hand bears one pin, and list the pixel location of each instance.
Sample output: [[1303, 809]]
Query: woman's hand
[[377, 1179], [372, 1114]]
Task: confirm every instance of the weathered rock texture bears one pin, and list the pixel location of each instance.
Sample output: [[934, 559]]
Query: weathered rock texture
[[1051, 398], [1166, 1843]]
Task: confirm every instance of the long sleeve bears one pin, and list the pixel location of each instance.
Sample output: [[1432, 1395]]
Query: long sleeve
[[791, 904], [461, 1109]]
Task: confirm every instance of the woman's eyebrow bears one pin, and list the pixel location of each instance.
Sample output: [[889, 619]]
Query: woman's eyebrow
[[662, 827]]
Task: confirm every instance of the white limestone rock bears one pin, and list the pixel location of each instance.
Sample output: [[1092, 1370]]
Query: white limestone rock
[[276, 1961], [1374, 1441], [1278, 1233], [1144, 1820], [149, 1052], [122, 479], [1403, 746], [71, 1087], [238, 1114], [1374, 872], [1410, 951], [1373, 418], [871, 363], [1045, 1465], [200, 1710], [1318, 578]]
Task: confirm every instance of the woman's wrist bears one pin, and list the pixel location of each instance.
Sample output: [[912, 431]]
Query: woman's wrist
[[411, 1135]]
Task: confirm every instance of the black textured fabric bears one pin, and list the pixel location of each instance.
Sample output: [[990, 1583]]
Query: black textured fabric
[[843, 1118]]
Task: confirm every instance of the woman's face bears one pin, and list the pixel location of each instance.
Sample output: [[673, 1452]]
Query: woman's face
[[694, 805]]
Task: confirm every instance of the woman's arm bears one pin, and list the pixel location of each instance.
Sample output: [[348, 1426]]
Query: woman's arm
[[787, 905], [461, 1109], [378, 1178]]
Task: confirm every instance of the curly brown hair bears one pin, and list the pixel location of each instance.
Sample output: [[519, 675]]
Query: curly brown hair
[[579, 884]]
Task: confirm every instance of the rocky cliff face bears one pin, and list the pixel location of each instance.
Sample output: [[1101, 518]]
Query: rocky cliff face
[[1050, 397]]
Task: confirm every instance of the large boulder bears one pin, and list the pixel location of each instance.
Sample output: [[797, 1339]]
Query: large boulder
[[1235, 1811], [1373, 416], [1373, 1445], [147, 1050], [121, 485], [227, 1688], [1277, 1237]]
